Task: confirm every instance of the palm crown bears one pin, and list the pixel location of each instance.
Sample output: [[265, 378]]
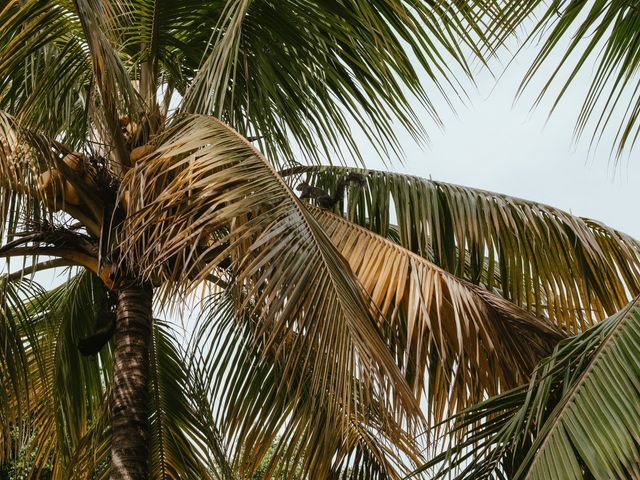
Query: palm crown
[[320, 333]]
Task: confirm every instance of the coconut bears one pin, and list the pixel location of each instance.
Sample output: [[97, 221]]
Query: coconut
[[139, 152], [49, 183]]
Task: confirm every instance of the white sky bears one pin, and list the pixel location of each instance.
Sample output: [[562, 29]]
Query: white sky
[[497, 145]]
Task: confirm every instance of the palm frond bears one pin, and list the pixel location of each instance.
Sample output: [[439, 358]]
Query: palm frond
[[201, 393], [261, 411], [204, 197], [578, 418], [306, 70], [574, 271], [456, 327], [464, 341], [110, 75], [53, 70], [65, 395], [176, 437], [24, 156], [170, 37], [14, 363], [55, 401], [602, 32], [46, 72]]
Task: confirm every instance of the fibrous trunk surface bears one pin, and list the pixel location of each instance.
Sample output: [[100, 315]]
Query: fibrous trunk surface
[[129, 420]]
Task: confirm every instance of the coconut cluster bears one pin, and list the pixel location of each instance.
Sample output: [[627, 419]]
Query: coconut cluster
[[59, 185]]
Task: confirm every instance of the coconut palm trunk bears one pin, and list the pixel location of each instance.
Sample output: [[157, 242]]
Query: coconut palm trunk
[[129, 421]]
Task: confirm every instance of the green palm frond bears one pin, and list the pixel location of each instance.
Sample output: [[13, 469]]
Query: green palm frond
[[574, 271], [177, 441], [45, 72], [65, 395], [602, 32], [53, 69], [170, 37], [201, 392], [576, 419], [306, 70], [113, 80], [298, 74], [15, 386], [206, 197], [55, 401]]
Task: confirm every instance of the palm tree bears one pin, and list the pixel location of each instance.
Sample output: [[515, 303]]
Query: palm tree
[[578, 415], [91, 148], [147, 146]]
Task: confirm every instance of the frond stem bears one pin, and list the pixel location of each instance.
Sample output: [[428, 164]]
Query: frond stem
[[39, 267]]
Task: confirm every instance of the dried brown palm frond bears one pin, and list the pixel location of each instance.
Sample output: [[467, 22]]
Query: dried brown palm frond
[[464, 341], [256, 412], [206, 196], [576, 419]]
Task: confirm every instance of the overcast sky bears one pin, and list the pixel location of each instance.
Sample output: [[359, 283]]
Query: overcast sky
[[497, 145]]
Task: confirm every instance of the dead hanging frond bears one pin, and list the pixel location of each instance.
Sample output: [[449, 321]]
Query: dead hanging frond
[[205, 195]]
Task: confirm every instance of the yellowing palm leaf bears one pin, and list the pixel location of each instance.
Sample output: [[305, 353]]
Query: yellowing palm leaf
[[467, 341]]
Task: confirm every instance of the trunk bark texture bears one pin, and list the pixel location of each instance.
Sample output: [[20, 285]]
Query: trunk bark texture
[[129, 421]]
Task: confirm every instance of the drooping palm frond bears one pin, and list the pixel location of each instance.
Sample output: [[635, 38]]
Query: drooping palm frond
[[206, 198], [262, 412], [200, 391], [14, 361], [574, 271], [65, 396], [578, 418], [55, 401], [460, 339], [583, 33], [178, 436]]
